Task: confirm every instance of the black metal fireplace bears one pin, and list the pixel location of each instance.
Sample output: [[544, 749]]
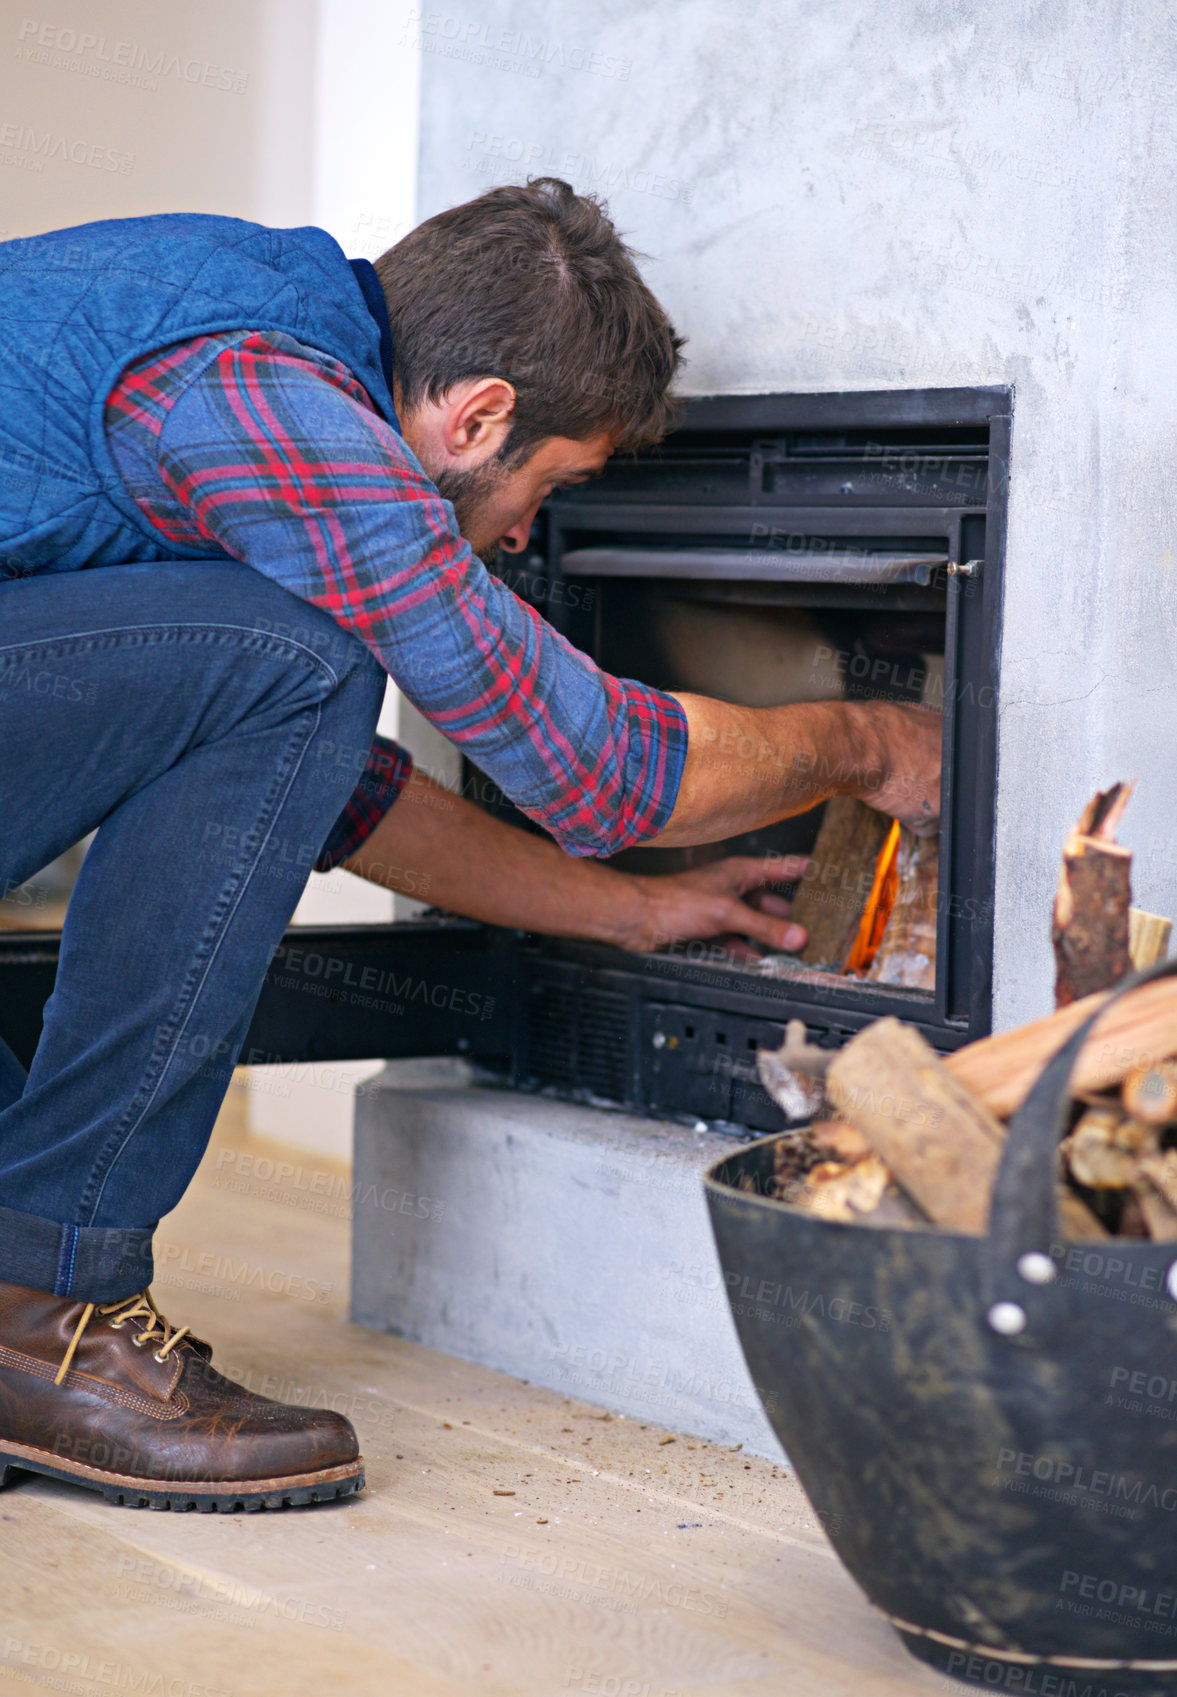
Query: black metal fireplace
[[775, 547]]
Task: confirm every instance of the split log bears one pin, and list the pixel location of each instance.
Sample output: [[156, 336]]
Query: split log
[[1159, 1218], [1090, 925], [834, 1191], [907, 954], [1148, 938], [1150, 1094], [831, 896], [794, 1074], [862, 1193], [1105, 1148], [1137, 1032], [942, 1146], [941, 1143], [1161, 1173], [836, 899], [843, 1141], [1155, 1189]]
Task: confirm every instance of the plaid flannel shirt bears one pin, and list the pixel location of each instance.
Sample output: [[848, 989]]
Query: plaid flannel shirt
[[267, 450]]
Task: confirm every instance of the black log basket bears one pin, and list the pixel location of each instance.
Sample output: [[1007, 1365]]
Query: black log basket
[[986, 1426]]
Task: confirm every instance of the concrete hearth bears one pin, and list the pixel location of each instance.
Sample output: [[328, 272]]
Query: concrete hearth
[[566, 1245]]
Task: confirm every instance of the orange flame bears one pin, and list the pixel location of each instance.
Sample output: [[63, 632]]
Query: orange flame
[[879, 904]]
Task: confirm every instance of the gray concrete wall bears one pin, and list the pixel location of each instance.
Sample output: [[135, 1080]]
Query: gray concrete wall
[[565, 1245], [903, 194]]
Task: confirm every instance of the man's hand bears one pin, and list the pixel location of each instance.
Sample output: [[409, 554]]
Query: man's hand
[[706, 902], [445, 851], [908, 766]]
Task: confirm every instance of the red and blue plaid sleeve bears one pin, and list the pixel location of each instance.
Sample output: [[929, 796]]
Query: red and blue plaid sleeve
[[385, 775], [268, 451]]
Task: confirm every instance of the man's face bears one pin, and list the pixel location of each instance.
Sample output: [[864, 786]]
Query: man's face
[[495, 508]]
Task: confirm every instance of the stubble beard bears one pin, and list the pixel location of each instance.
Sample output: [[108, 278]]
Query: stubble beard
[[469, 493]]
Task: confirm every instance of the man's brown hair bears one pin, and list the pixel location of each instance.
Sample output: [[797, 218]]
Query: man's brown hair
[[532, 283]]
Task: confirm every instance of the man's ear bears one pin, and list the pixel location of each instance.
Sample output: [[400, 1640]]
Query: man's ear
[[477, 416]]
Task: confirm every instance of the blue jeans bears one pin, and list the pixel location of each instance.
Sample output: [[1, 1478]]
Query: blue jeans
[[209, 725]]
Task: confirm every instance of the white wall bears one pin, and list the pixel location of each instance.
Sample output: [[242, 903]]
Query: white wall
[[113, 108], [284, 111], [364, 159], [900, 194]]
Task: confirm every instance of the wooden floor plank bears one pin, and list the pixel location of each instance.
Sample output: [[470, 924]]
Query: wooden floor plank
[[627, 1558]]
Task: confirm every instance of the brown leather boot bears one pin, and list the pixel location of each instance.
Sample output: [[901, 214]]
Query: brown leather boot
[[113, 1397]]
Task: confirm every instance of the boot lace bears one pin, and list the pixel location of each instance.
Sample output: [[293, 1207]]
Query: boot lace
[[141, 1308]]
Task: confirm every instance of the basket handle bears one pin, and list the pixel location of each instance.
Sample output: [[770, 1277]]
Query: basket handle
[[1024, 1232]]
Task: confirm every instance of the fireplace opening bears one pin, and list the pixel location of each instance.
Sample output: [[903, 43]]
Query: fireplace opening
[[817, 637], [774, 549]]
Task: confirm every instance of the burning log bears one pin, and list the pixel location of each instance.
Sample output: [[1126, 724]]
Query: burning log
[[829, 900], [869, 901], [907, 952]]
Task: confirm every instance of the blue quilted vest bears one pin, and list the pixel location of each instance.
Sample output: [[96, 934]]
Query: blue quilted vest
[[78, 306]]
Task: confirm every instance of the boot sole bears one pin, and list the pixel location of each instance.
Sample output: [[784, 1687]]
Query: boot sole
[[206, 1496]]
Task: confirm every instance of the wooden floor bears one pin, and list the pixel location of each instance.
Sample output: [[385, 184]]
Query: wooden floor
[[510, 1541]]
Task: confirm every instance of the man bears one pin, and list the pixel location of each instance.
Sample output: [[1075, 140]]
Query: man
[[243, 481]]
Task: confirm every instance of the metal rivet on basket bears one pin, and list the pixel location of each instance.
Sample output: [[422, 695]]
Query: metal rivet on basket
[[1007, 1318], [1036, 1268], [1171, 1281]]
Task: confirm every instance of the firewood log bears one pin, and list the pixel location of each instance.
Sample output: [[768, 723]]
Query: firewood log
[[1150, 1093], [794, 1074], [1090, 926], [907, 953], [830, 898], [1161, 1172], [843, 1141], [835, 1191], [1137, 1032], [1155, 1188], [941, 1143], [1105, 1148], [1159, 1217], [1148, 938]]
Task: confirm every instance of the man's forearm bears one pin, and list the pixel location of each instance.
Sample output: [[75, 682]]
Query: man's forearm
[[749, 766], [446, 851], [434, 845]]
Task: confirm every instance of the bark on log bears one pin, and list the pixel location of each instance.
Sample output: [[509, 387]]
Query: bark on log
[[1090, 925]]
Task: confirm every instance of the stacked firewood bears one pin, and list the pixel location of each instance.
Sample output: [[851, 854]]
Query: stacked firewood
[[899, 1136]]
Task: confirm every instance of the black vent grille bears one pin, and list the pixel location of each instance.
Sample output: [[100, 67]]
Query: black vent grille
[[579, 1039], [551, 1035], [604, 1044]]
